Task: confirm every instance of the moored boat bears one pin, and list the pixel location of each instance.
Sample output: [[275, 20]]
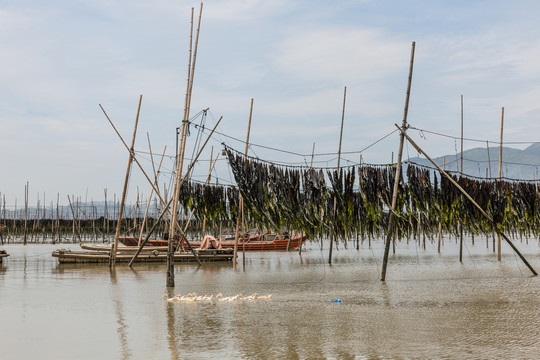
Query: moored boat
[[3, 254], [250, 241], [262, 242], [68, 256]]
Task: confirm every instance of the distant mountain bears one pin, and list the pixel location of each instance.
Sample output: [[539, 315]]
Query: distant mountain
[[516, 164]]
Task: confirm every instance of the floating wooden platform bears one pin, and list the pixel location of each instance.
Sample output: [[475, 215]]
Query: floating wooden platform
[[3, 254], [70, 257]]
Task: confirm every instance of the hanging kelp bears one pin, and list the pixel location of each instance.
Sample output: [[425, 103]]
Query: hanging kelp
[[343, 214], [325, 204], [313, 202], [217, 202]]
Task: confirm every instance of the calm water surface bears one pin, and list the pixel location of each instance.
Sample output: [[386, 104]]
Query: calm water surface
[[431, 306]]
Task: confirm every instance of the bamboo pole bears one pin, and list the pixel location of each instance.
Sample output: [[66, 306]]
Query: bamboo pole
[[500, 176], [472, 200], [245, 231], [398, 168], [310, 167], [240, 199], [180, 162], [192, 76], [59, 217], [112, 261], [79, 219], [174, 210], [15, 217], [461, 168], [312, 155], [489, 159], [441, 238], [461, 155], [74, 217], [106, 215], [239, 211], [207, 182], [94, 220], [332, 238], [25, 212], [393, 239]]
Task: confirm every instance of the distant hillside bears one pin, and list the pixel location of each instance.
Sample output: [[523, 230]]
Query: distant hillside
[[517, 164]]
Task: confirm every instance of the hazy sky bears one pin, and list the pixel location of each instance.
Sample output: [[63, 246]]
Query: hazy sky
[[61, 59]]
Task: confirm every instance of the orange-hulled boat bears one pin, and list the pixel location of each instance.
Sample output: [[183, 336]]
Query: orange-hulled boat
[[251, 241], [261, 242]]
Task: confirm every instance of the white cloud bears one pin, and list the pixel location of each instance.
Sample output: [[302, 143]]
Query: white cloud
[[340, 54], [244, 10]]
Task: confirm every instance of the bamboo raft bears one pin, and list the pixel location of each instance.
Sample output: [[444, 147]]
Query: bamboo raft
[[74, 257]]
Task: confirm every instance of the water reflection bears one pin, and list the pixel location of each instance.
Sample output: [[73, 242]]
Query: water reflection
[[118, 298], [171, 333]]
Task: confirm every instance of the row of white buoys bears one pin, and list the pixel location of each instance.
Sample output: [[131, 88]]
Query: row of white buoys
[[192, 297]]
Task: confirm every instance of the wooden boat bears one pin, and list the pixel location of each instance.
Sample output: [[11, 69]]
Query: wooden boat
[[68, 256], [261, 242], [251, 241], [3, 254]]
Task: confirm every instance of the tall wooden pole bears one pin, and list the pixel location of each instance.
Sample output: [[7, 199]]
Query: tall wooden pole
[[461, 168], [25, 212], [332, 238], [112, 261], [398, 169], [489, 158], [174, 206], [179, 165], [472, 200], [181, 151], [240, 199], [312, 155], [207, 182], [341, 131], [500, 177]]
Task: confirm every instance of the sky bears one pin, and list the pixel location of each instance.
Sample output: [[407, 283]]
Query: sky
[[61, 59]]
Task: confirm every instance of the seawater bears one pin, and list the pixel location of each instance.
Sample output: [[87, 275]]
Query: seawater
[[431, 306]]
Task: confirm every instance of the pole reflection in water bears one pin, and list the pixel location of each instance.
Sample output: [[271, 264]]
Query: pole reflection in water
[[171, 333], [118, 298]]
